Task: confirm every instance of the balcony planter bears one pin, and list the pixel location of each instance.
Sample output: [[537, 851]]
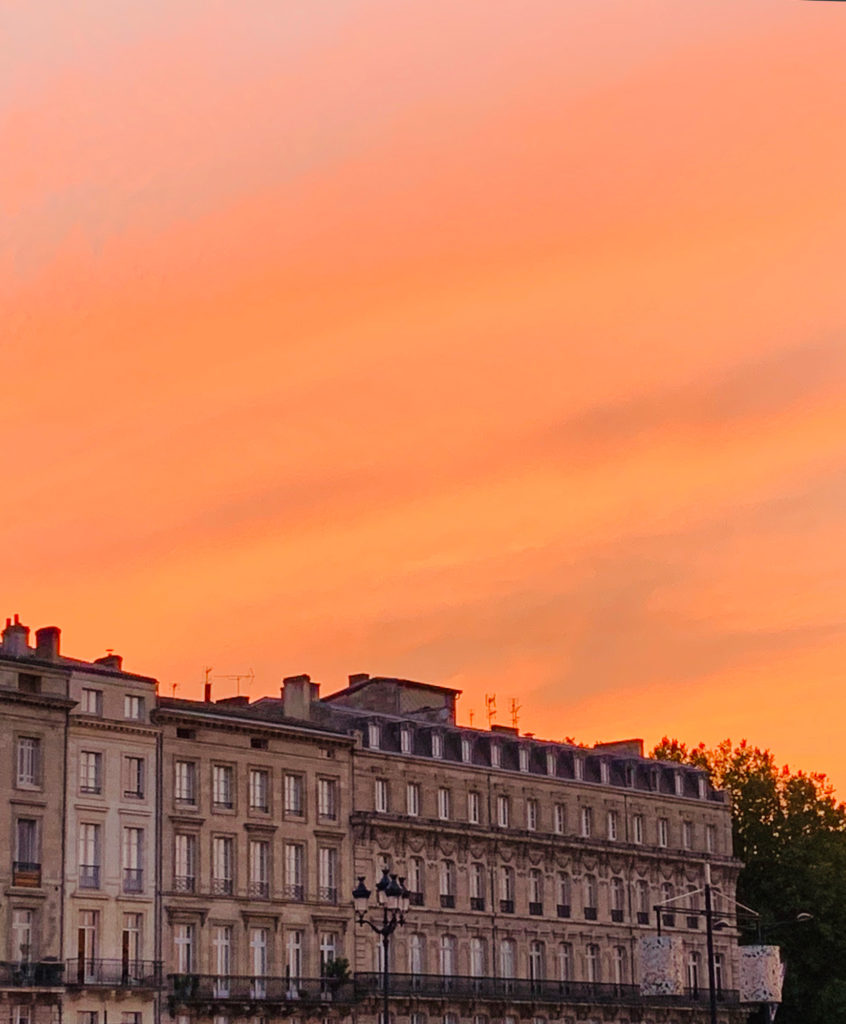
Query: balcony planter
[[185, 986]]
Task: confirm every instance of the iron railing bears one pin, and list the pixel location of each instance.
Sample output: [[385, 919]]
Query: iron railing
[[124, 973], [42, 974], [26, 874], [188, 989]]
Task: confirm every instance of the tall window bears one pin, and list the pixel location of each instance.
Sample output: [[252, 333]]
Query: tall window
[[27, 851], [503, 811], [328, 949], [222, 786], [374, 735], [617, 899], [592, 962], [184, 862], [613, 819], [92, 702], [415, 879], [22, 922], [89, 856], [258, 962], [565, 961], [416, 954], [90, 771], [551, 763], [618, 962], [327, 864], [133, 707], [668, 892], [578, 767], [449, 966], [508, 958], [133, 777], [443, 804], [637, 829], [380, 796], [474, 808], [132, 942], [294, 795], [412, 799], [185, 782], [259, 857], [687, 834], [406, 740], [466, 749], [327, 799], [642, 900], [537, 960], [222, 952], [560, 818], [663, 832], [531, 814], [259, 790], [591, 900], [447, 876], [437, 745], [294, 951], [477, 886], [496, 755], [222, 864], [294, 864], [587, 821], [184, 941], [535, 891], [478, 957], [133, 859], [29, 762], [710, 838], [523, 758], [564, 894], [693, 965], [506, 889], [88, 942], [718, 971]]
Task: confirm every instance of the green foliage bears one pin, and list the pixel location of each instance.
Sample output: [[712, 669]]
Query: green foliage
[[790, 832], [339, 968]]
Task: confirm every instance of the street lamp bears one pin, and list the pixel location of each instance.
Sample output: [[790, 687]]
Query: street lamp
[[394, 899]]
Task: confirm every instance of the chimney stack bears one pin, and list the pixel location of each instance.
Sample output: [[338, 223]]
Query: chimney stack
[[114, 661], [298, 692], [358, 677], [207, 697], [15, 638], [47, 643]]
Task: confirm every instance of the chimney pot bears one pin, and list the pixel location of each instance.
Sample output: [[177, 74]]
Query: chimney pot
[[15, 638], [207, 696], [114, 661], [358, 677], [47, 642]]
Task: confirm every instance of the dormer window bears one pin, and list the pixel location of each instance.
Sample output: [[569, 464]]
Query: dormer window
[[630, 776], [496, 755], [703, 787], [524, 759], [551, 762], [405, 739], [374, 735], [604, 773], [466, 749], [678, 782], [437, 745], [578, 768]]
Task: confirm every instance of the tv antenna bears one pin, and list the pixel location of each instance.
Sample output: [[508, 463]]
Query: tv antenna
[[490, 707], [471, 718], [515, 711], [249, 676]]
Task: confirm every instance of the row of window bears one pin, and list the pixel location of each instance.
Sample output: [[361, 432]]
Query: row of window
[[24, 1013], [533, 821], [24, 937], [560, 890], [223, 951], [258, 868], [29, 768], [259, 780], [91, 703], [486, 750]]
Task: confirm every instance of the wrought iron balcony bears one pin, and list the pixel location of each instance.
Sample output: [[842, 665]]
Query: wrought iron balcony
[[506, 906], [221, 886], [43, 974], [293, 892], [89, 876], [448, 900], [416, 899], [563, 909], [477, 903], [26, 874], [184, 883], [258, 890], [133, 880], [617, 916], [642, 917], [536, 909], [328, 894], [590, 913], [211, 989], [114, 973]]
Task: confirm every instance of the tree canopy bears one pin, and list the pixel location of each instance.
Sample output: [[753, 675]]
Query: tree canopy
[[790, 832]]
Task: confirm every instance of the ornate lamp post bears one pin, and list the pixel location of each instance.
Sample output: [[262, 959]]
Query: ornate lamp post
[[394, 899]]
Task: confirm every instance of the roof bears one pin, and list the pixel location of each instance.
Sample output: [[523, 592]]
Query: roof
[[410, 683]]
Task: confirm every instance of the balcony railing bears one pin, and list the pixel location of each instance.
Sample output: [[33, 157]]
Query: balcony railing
[[258, 890], [184, 883], [506, 906], [642, 917], [437, 986], [293, 892], [477, 903], [447, 900], [590, 913], [114, 973], [416, 899], [536, 909], [221, 886], [44, 974], [617, 916], [133, 879], [210, 989], [89, 876], [26, 874], [328, 894], [563, 909]]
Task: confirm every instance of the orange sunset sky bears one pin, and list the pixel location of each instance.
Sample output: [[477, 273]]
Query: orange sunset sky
[[495, 343]]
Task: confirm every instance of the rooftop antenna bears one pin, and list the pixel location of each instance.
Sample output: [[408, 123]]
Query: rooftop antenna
[[471, 718], [515, 711], [249, 676], [490, 707]]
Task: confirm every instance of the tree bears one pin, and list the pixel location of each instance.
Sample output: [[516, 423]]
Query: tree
[[790, 832]]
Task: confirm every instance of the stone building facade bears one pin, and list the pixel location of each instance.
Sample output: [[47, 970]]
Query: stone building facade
[[181, 861]]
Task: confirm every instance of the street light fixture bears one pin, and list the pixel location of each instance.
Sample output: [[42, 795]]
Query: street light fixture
[[394, 899]]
